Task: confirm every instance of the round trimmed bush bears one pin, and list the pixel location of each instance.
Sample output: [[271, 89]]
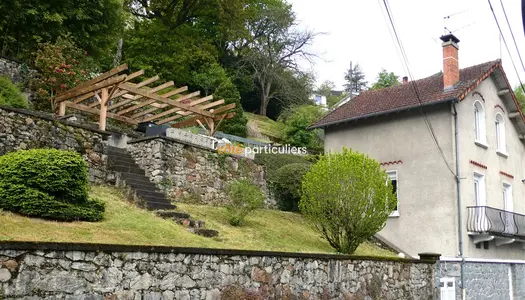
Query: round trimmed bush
[[10, 95], [287, 185], [47, 183]]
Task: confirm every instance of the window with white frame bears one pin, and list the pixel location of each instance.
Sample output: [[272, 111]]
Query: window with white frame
[[500, 134], [508, 216], [392, 176], [479, 189], [447, 289], [479, 123]]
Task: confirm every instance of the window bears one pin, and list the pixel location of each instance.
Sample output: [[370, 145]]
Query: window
[[479, 124], [481, 221], [392, 175], [500, 135], [447, 289], [507, 197], [508, 216]]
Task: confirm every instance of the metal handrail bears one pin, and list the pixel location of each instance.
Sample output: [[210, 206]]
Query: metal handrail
[[486, 219]]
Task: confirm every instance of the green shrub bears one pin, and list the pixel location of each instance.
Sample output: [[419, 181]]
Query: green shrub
[[273, 162], [10, 95], [47, 183], [245, 197], [287, 186], [345, 197]]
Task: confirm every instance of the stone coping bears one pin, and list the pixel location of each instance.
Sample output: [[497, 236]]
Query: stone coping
[[89, 247], [48, 117]]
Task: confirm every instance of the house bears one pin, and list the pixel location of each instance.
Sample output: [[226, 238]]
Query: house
[[349, 96], [320, 99], [475, 220]]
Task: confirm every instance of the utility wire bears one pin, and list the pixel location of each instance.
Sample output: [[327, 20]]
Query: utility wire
[[416, 90], [513, 38], [507, 46]]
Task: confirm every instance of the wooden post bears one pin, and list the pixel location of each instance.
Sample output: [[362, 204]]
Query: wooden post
[[62, 109], [103, 109]]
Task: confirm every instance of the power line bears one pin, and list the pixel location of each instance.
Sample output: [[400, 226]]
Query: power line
[[506, 46], [512, 34], [416, 90]]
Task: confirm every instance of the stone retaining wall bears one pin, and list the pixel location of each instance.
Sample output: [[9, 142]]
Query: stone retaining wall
[[190, 173], [65, 271], [21, 129]]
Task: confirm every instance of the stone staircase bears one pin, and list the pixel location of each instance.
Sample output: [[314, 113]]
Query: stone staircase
[[146, 193]]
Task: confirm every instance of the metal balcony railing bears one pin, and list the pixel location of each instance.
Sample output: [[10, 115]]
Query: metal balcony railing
[[485, 219]]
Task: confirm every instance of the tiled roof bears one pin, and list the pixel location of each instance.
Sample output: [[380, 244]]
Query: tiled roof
[[404, 96]]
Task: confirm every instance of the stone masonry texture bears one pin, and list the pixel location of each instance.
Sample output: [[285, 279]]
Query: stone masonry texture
[[21, 130], [218, 274], [193, 174]]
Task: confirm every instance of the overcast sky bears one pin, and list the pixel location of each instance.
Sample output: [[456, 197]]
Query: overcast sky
[[358, 31]]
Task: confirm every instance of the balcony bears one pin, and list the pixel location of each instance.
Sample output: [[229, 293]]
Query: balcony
[[487, 223]]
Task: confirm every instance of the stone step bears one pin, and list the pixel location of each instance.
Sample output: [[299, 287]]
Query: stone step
[[143, 186], [117, 150], [172, 214], [145, 194], [127, 169], [204, 232], [190, 223], [122, 160], [159, 206], [137, 180]]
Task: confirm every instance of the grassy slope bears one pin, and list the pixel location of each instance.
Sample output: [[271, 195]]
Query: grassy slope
[[266, 126], [125, 224]]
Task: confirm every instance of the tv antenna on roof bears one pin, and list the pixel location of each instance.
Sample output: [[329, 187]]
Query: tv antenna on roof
[[446, 18]]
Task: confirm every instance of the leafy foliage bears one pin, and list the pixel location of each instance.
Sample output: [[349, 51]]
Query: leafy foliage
[[520, 95], [238, 124], [245, 197], [62, 65], [273, 162], [10, 95], [355, 79], [297, 120], [93, 25], [385, 79], [47, 183], [287, 185], [345, 197]]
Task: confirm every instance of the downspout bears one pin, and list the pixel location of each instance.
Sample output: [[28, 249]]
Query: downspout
[[460, 219]]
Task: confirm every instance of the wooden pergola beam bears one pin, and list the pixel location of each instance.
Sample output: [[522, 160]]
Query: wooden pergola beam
[[193, 120], [164, 100], [219, 110], [99, 78], [178, 110], [95, 87], [97, 112], [150, 102]]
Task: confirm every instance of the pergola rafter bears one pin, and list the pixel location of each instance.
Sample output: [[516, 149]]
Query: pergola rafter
[[115, 96]]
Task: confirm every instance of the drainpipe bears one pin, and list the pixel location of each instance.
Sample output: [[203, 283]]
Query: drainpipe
[[460, 222]]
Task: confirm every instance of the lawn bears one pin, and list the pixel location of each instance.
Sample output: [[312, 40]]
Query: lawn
[[124, 223], [266, 126]]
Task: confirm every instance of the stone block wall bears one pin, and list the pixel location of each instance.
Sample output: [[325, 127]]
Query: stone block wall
[[83, 271], [486, 280], [16, 71], [22, 129], [189, 173]]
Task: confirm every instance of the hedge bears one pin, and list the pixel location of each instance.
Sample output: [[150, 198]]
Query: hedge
[[287, 186], [47, 183]]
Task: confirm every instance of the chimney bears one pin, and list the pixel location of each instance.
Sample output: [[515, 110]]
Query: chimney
[[405, 80], [450, 61]]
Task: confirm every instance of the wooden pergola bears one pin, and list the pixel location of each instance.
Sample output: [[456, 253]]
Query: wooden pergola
[[117, 97]]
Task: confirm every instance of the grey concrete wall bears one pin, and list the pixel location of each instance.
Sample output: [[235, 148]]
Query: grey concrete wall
[[58, 271], [513, 164], [426, 188]]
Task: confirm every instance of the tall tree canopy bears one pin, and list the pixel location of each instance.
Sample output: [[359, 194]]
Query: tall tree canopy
[[385, 79], [94, 26], [355, 79]]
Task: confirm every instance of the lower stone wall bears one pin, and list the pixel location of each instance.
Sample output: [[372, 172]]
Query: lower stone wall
[[486, 280], [189, 173], [65, 271], [22, 129]]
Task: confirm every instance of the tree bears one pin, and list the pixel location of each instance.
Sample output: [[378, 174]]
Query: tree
[[93, 25], [326, 88], [355, 79], [245, 197], [273, 49], [520, 95], [384, 80], [345, 197], [297, 119]]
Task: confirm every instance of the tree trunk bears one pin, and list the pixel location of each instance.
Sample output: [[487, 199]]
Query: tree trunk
[[265, 98]]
